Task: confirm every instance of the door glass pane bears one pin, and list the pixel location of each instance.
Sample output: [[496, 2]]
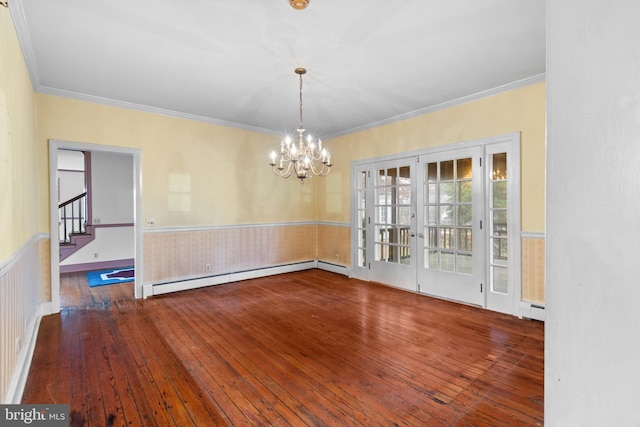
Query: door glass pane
[[465, 215], [393, 254], [499, 195], [499, 223], [499, 166], [500, 252], [447, 240], [433, 193], [465, 192], [404, 215], [446, 192], [446, 170], [432, 218], [394, 236], [433, 237], [464, 239], [432, 259], [432, 172], [465, 263], [446, 215], [447, 261], [500, 279], [464, 168], [405, 174]]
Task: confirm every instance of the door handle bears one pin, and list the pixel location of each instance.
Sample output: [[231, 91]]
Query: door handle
[[413, 234], [420, 235]]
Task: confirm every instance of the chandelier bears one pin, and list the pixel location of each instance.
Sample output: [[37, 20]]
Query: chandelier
[[303, 157]]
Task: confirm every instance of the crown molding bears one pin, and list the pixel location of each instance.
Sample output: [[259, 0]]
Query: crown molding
[[22, 31]]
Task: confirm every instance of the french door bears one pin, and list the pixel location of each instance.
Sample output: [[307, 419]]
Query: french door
[[443, 223], [451, 241], [392, 221]]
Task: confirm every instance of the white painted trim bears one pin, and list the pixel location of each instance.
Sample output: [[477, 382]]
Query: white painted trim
[[532, 235], [334, 224], [21, 371], [183, 285], [334, 268], [449, 104], [54, 145], [531, 311], [22, 31], [15, 256]]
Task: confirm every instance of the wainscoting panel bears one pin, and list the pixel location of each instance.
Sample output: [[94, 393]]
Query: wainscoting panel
[[19, 313], [334, 243], [175, 254], [533, 269]]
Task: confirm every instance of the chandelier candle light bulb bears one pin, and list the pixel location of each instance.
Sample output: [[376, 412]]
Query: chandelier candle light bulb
[[302, 159]]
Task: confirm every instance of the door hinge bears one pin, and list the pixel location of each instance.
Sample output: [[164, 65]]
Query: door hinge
[[368, 220], [418, 287], [368, 174], [369, 266], [480, 224], [480, 161], [480, 287]]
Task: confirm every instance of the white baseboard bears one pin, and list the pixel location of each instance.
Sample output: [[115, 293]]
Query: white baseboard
[[20, 374], [532, 311], [334, 268], [183, 285]]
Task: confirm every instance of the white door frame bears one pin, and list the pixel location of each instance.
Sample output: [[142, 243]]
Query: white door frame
[[510, 140], [54, 146]]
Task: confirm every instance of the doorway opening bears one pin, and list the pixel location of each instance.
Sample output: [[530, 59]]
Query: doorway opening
[[102, 232]]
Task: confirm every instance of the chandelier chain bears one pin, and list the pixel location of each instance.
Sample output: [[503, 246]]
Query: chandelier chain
[[300, 101]]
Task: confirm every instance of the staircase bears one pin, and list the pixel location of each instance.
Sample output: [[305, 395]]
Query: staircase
[[73, 230]]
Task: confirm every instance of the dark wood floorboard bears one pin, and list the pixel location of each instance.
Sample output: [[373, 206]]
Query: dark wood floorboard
[[311, 348]]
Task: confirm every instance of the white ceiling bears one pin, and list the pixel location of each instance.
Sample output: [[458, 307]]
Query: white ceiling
[[232, 62]]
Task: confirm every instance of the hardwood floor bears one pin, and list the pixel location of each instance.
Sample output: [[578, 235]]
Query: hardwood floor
[[309, 348], [76, 293]]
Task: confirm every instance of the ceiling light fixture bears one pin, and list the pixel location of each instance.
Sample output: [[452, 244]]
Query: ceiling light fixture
[[303, 158], [299, 4]]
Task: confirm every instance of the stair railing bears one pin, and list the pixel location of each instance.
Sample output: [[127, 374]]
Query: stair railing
[[72, 217]]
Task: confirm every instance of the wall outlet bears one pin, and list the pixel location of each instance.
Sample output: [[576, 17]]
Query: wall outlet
[[95, 255], [151, 222], [97, 220], [207, 267]]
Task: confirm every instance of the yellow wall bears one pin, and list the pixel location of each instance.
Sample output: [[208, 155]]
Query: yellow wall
[[20, 243], [18, 198], [193, 173], [521, 110], [196, 174]]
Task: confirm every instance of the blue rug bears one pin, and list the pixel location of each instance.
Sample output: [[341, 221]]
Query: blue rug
[[109, 277]]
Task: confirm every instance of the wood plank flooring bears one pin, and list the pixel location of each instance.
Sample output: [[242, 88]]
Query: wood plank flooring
[[311, 348]]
